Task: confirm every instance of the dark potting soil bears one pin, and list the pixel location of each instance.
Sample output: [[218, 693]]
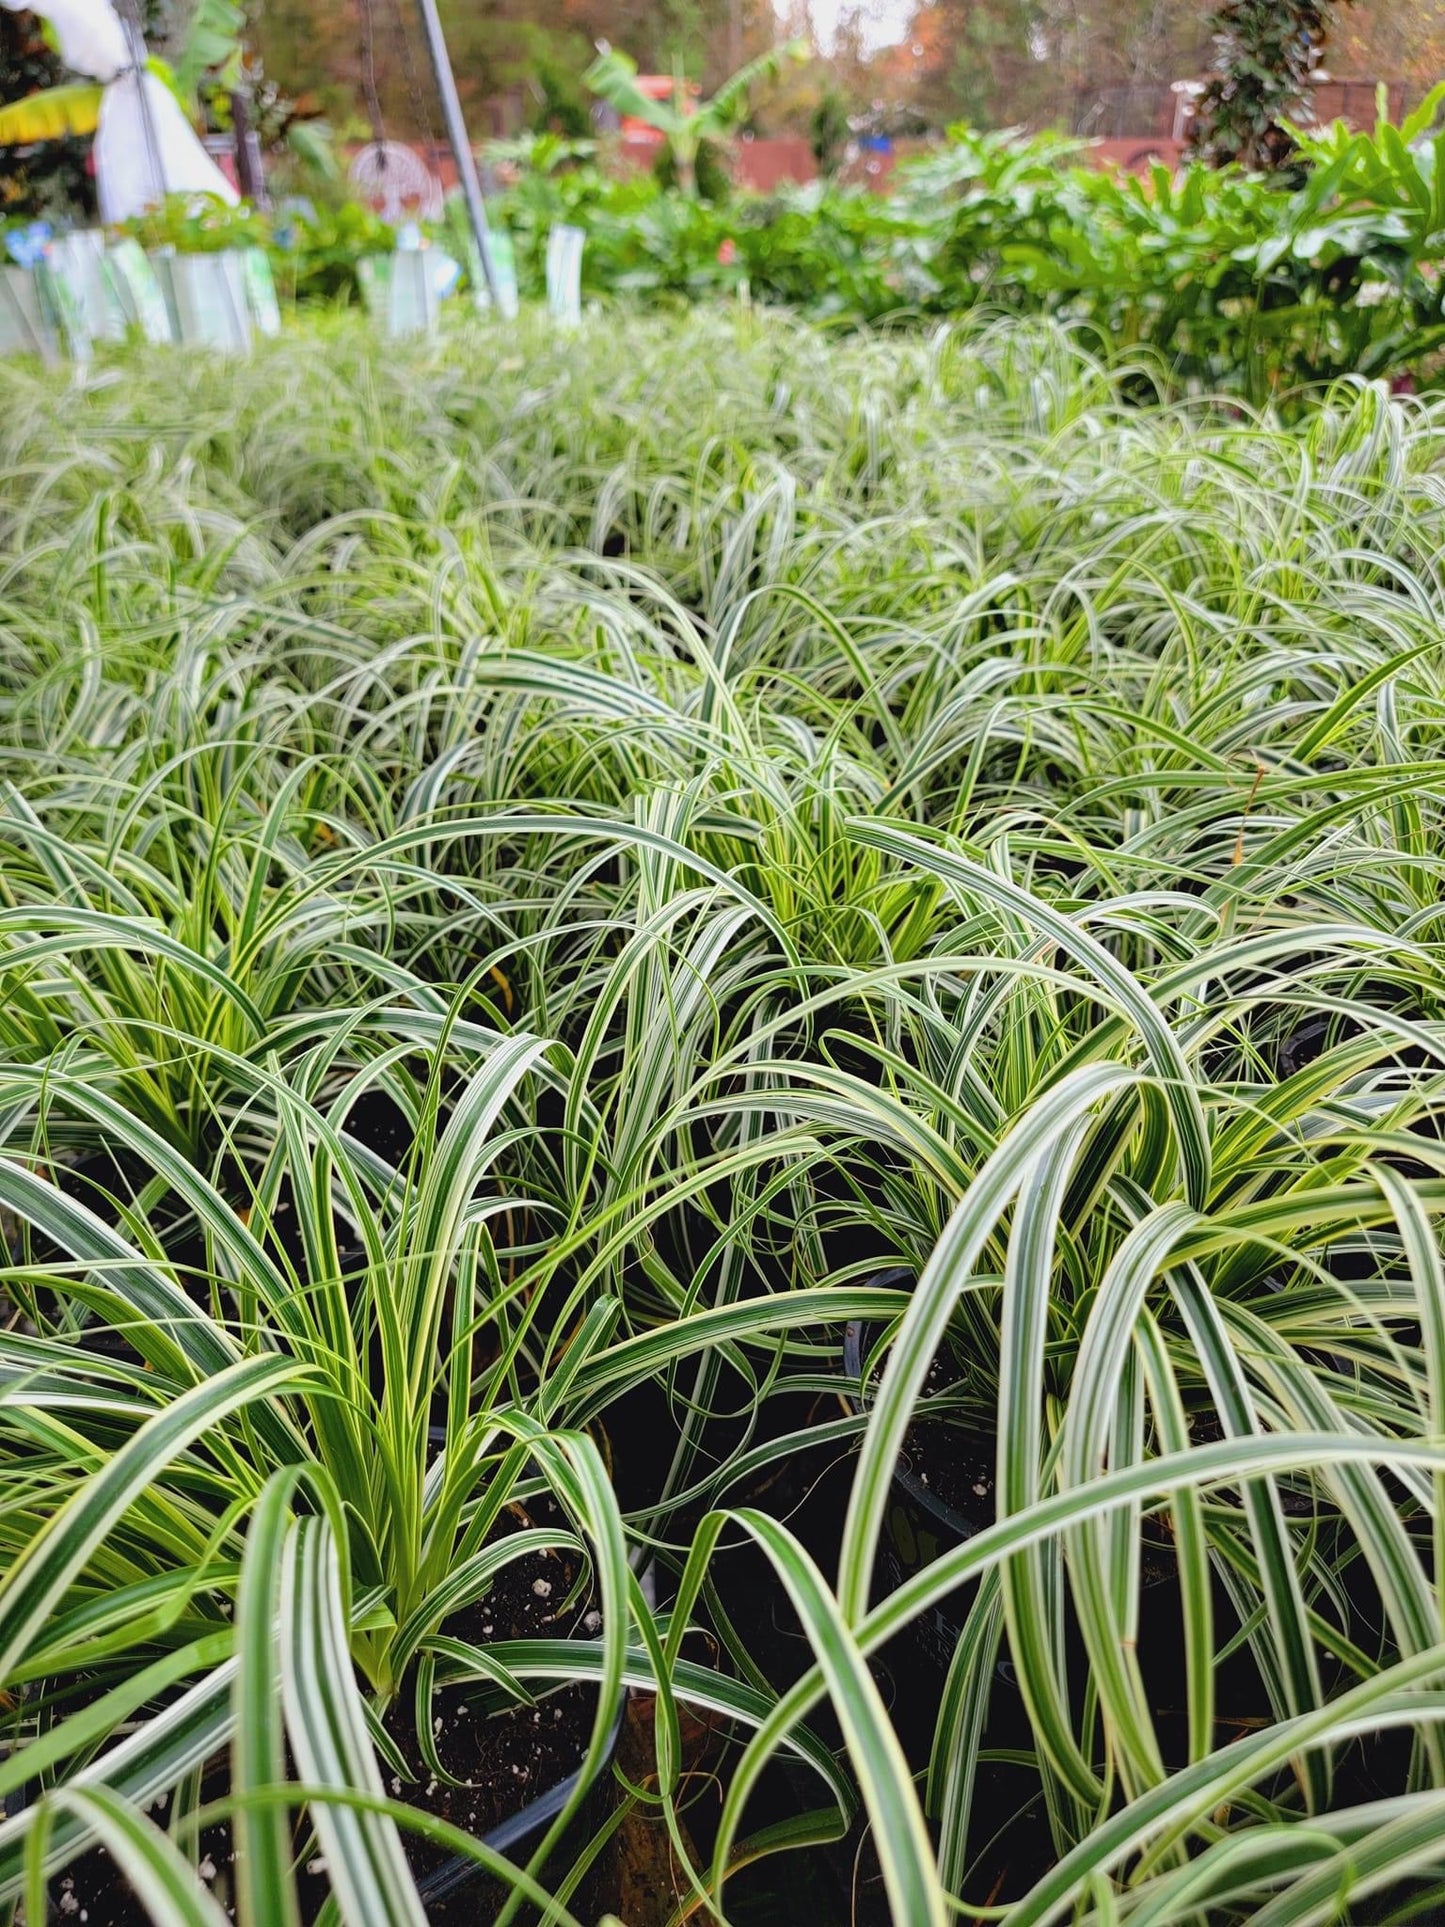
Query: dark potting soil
[[947, 1456], [504, 1762], [955, 1463], [378, 1121], [512, 1758], [840, 1884], [957, 1469]]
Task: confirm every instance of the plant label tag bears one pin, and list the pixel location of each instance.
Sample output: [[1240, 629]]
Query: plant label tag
[[207, 296], [564, 273], [138, 291], [265, 309], [24, 325], [64, 307], [504, 267], [80, 257], [400, 291]]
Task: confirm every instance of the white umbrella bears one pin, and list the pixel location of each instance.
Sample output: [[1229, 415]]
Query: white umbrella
[[145, 148]]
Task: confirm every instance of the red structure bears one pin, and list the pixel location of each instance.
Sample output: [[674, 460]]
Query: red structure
[[767, 164], [764, 165], [641, 133]]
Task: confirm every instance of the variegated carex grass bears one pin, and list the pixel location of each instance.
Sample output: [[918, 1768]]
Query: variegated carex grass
[[782, 829]]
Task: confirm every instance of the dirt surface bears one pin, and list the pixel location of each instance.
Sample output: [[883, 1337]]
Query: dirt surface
[[509, 1759], [954, 1462], [957, 1469]]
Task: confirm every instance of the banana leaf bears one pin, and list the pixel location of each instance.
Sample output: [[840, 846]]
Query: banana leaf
[[55, 113]]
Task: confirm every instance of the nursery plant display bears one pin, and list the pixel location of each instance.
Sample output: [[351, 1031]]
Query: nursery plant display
[[1234, 281], [607, 937], [1229, 282]]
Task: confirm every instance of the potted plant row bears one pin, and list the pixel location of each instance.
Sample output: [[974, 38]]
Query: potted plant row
[[443, 1646], [61, 295]]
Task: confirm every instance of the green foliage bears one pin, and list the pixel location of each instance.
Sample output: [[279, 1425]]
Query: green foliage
[[1265, 52], [212, 47], [314, 254], [828, 131], [687, 124], [711, 179], [533, 867], [200, 224], [1233, 282], [558, 103], [53, 180]]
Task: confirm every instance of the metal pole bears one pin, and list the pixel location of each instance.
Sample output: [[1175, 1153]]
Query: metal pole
[[130, 20], [250, 168], [457, 137]]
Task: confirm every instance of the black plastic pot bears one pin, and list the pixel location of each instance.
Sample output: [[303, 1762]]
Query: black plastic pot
[[919, 1526], [522, 1827], [450, 1878]]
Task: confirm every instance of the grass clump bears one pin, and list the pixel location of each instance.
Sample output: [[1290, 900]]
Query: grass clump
[[542, 878]]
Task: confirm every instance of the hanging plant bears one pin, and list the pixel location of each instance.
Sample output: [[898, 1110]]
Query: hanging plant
[[1265, 54]]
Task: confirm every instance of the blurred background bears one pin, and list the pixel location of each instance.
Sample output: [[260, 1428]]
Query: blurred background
[[1104, 68], [877, 80]]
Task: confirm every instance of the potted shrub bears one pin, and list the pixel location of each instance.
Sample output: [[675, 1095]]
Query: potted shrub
[[336, 1472], [213, 269]]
